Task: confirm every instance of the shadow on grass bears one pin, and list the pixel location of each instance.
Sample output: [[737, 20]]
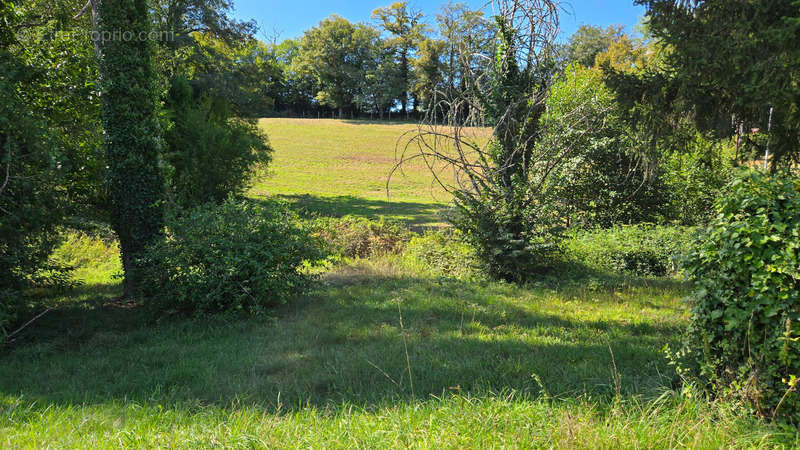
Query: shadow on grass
[[342, 344], [385, 121], [417, 215]]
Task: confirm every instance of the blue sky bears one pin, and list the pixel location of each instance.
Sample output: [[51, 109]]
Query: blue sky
[[291, 18]]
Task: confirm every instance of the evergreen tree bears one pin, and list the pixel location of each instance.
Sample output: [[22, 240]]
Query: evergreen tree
[[733, 63]]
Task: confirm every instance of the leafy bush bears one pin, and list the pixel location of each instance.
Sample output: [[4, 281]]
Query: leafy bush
[[643, 250], [694, 178], [604, 179], [210, 154], [513, 240], [442, 254], [32, 204], [228, 257], [359, 237], [744, 339]]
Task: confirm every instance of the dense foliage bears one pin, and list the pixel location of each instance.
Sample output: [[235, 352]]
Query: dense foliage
[[359, 237], [442, 254], [235, 256], [405, 28], [605, 179], [639, 250], [209, 153], [730, 66], [588, 41], [743, 338], [32, 204], [335, 53], [694, 178], [132, 132]]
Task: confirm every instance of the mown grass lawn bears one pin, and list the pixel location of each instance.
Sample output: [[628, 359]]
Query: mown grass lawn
[[567, 362], [339, 167]]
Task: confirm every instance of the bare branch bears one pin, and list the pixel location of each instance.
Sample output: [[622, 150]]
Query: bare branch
[[8, 176], [83, 10], [91, 5], [9, 337]]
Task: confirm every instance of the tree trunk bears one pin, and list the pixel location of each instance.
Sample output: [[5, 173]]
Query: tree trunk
[[130, 123], [404, 79]]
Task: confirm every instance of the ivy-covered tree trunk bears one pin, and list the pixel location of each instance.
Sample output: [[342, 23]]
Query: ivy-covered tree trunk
[[131, 128]]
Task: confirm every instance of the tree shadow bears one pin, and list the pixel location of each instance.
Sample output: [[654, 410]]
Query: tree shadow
[[342, 344], [385, 121], [417, 215]]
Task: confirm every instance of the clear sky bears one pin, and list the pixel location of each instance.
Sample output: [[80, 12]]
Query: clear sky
[[290, 18]]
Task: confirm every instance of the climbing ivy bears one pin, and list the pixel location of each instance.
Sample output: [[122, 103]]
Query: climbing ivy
[[132, 135]]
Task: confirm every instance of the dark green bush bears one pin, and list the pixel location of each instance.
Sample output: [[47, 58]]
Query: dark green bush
[[744, 334], [694, 178], [210, 153], [228, 257], [642, 250], [359, 237], [604, 179], [513, 240], [32, 203]]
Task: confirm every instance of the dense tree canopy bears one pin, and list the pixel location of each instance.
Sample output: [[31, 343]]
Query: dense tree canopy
[[335, 52], [32, 202], [406, 30], [731, 63], [589, 41]]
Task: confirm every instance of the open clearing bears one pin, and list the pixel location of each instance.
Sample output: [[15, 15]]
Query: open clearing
[[339, 167], [561, 363]]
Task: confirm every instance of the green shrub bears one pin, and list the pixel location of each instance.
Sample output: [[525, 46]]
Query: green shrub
[[604, 180], [210, 154], [642, 250], [359, 237], [744, 334], [228, 257], [514, 238], [442, 254], [32, 202], [695, 177]]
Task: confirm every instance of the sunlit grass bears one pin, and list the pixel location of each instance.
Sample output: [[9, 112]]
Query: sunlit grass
[[572, 361], [560, 364], [326, 164]]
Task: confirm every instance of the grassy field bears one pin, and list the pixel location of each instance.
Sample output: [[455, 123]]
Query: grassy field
[[376, 356], [339, 167]]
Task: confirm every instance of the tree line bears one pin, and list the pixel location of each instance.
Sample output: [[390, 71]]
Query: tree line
[[394, 64]]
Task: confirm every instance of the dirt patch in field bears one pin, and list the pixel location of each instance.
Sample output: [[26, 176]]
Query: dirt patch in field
[[374, 159]]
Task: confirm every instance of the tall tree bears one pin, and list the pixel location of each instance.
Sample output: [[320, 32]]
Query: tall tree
[[731, 59], [499, 185], [428, 74], [31, 194], [181, 22], [336, 53], [130, 123], [589, 41], [469, 43], [406, 29], [381, 85], [299, 86]]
